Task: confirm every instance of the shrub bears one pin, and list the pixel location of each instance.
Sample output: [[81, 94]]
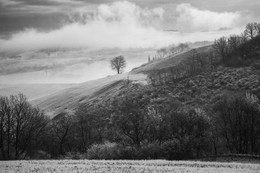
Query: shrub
[[150, 151], [171, 150], [75, 155], [257, 65], [127, 153], [40, 155], [112, 151], [105, 151]]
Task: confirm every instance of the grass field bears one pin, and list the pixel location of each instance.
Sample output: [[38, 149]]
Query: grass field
[[78, 166]]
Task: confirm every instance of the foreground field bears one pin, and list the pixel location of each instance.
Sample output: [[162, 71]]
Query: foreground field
[[77, 166]]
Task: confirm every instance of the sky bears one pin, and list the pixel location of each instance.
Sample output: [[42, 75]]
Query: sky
[[95, 26]]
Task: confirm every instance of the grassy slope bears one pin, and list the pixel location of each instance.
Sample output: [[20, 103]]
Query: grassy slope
[[168, 61], [69, 99]]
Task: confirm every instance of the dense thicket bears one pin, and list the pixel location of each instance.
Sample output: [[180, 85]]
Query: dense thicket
[[147, 123], [239, 50], [21, 127], [238, 122], [143, 122]]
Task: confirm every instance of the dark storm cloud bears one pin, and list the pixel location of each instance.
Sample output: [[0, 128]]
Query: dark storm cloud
[[18, 15], [41, 22], [19, 3], [220, 5], [36, 2]]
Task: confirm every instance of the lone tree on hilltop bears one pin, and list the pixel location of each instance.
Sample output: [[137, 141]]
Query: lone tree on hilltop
[[118, 64]]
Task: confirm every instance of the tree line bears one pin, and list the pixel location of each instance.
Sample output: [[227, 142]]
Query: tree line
[[232, 51], [193, 63], [142, 123], [237, 50], [21, 127], [168, 51]]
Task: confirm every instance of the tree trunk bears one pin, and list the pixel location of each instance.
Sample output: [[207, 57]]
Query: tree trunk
[[2, 138], [8, 137], [17, 139], [61, 149]]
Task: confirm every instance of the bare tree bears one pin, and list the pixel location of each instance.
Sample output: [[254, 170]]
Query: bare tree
[[234, 41], [243, 38], [62, 125], [221, 47], [257, 28], [162, 52], [130, 117], [20, 124], [183, 46], [250, 30], [237, 119], [118, 64], [212, 60], [173, 50], [149, 59]]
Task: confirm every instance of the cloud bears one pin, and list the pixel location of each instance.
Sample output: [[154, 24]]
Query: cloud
[[193, 19], [120, 24], [9, 2]]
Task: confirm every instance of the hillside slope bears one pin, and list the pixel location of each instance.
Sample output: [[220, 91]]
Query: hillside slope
[[169, 61], [69, 99], [199, 91], [203, 90]]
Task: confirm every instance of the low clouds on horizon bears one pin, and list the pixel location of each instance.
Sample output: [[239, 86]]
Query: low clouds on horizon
[[124, 24]]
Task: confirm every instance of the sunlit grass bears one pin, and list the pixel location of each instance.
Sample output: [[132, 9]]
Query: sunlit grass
[[76, 166]]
